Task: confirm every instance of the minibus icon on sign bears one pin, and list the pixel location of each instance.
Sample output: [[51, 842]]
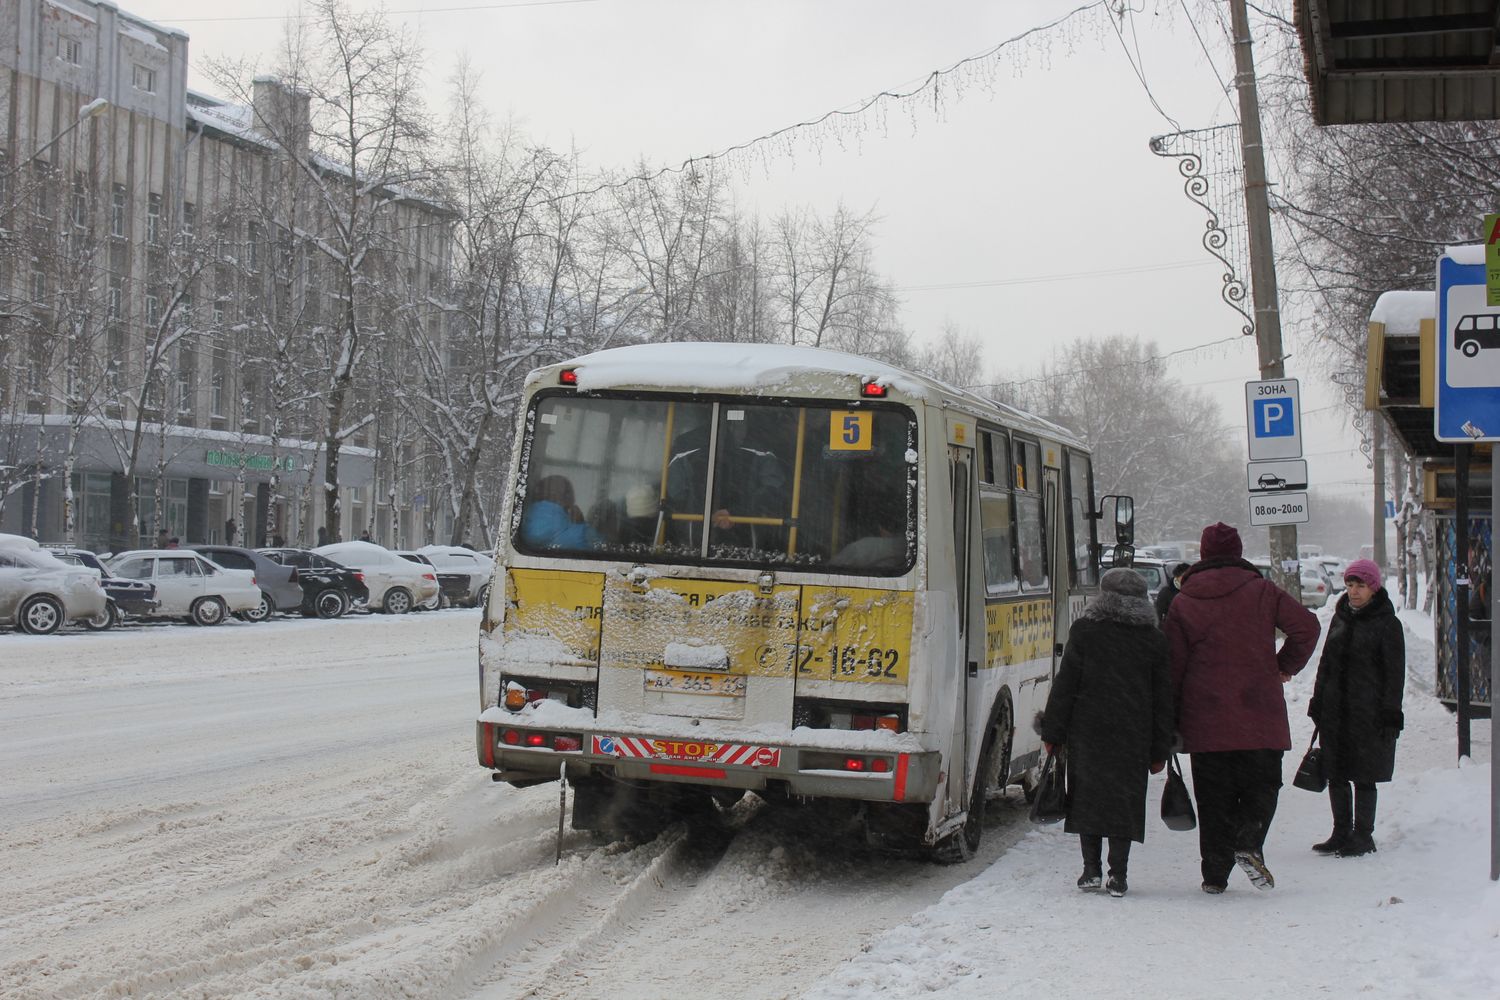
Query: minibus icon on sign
[[1476, 332]]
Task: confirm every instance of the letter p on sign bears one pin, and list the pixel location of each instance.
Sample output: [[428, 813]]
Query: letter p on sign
[[1274, 418]]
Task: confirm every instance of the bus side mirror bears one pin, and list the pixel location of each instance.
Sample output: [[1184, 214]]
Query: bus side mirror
[[1124, 517]]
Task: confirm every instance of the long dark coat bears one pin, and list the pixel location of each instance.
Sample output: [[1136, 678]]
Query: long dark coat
[[1111, 706], [1356, 699]]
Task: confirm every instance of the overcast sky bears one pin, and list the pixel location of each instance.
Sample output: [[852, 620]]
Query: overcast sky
[[1031, 183]]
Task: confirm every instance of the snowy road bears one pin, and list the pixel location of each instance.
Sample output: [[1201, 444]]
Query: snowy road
[[293, 810]]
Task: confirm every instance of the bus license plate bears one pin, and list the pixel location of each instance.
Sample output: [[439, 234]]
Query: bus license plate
[[695, 682]]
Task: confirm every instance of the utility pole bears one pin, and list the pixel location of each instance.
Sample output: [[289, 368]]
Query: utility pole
[[1262, 264]]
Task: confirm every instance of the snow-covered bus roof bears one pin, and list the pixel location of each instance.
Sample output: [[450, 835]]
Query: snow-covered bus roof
[[719, 367]]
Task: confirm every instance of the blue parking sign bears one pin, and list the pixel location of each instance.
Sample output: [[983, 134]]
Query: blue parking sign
[[1275, 418], [1273, 415]]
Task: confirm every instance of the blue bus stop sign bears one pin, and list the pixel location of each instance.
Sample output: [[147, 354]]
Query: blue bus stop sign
[[1468, 350]]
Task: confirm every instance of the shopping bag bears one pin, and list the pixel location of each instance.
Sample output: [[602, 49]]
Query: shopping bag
[[1310, 776], [1051, 802], [1176, 804]]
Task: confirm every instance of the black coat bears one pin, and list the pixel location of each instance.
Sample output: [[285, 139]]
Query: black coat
[[1111, 706], [1356, 700], [1164, 598]]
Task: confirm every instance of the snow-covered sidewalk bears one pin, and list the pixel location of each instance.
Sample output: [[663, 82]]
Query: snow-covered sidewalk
[[1419, 918]]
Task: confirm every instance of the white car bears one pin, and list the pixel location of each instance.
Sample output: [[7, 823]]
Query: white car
[[189, 585], [396, 586], [39, 592], [1333, 568], [455, 565]]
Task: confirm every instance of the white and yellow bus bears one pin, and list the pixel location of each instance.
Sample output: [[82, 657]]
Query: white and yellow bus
[[802, 573]]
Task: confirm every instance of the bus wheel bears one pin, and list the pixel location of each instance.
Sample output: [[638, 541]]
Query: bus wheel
[[960, 845], [1002, 734]]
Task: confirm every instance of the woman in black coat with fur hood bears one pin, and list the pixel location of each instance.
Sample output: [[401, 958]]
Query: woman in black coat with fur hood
[[1356, 705], [1111, 706]]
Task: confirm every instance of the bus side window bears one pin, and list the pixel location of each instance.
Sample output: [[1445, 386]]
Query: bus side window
[[997, 534], [1031, 533]]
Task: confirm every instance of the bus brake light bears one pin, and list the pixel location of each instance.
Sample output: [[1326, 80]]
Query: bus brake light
[[568, 376], [872, 390]]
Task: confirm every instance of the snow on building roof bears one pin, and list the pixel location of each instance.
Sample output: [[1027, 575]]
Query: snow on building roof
[[1403, 312]]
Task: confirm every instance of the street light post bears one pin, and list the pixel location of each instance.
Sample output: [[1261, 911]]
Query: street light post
[[93, 109]]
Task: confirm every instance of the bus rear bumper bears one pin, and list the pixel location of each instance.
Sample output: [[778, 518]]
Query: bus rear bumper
[[525, 755]]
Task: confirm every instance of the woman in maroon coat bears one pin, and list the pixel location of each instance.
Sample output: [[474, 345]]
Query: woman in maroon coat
[[1231, 714]]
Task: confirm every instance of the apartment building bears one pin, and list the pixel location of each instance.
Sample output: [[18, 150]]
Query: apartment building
[[166, 309]]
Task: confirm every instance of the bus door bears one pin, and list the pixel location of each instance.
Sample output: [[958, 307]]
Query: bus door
[[1057, 547], [970, 614]]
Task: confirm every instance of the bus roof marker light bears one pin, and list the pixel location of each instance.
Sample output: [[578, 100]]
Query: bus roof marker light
[[568, 376], [871, 389]]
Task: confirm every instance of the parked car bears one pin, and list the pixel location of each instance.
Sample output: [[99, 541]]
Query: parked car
[[1153, 571], [1172, 552], [39, 593], [396, 586], [1333, 568], [189, 585], [437, 600], [329, 589], [1316, 587], [463, 574], [127, 598], [279, 590]]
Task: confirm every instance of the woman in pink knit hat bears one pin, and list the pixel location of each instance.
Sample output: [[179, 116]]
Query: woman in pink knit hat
[[1356, 705]]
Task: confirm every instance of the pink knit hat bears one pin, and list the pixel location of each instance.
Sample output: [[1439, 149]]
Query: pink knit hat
[[1365, 571]]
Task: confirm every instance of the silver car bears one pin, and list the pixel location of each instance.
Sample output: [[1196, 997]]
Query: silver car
[[39, 592], [189, 585]]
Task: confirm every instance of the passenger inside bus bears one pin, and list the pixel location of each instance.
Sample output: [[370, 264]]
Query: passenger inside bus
[[638, 525], [552, 520], [750, 481], [883, 550]]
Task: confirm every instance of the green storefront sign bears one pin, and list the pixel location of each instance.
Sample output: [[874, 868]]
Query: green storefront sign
[[255, 463]]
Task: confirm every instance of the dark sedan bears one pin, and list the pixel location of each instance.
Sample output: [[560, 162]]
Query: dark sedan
[[126, 597], [329, 589], [279, 590]]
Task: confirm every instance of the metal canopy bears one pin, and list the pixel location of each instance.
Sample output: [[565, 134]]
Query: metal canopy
[[1401, 60]]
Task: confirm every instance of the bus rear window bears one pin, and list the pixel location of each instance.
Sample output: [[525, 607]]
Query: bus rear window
[[730, 482]]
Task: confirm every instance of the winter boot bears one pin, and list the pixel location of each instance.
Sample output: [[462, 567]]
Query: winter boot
[[1253, 863], [1213, 888], [1116, 885], [1091, 879], [1358, 845], [1335, 841]]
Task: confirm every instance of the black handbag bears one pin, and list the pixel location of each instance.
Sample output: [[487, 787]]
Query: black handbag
[[1310, 776], [1176, 804], [1051, 802]]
